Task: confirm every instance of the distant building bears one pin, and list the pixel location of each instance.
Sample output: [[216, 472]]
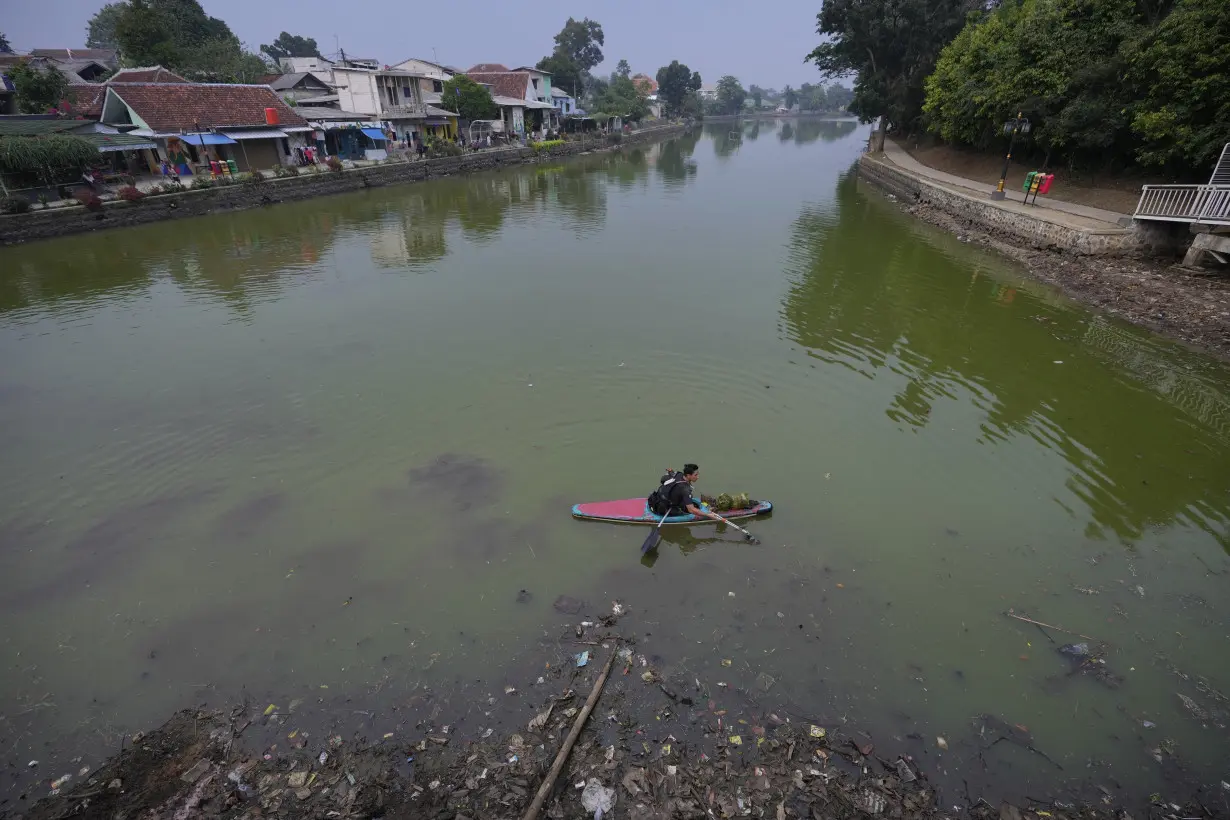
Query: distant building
[[193, 123], [108, 57], [564, 103], [298, 86], [394, 97], [149, 74], [708, 91], [524, 96]]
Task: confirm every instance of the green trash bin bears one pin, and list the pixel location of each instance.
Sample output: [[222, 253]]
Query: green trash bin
[[230, 163], [1029, 181]]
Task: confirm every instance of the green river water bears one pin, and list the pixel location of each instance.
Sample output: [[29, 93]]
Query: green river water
[[326, 444]]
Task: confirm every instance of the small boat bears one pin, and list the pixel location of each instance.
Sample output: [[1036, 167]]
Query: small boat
[[636, 511]]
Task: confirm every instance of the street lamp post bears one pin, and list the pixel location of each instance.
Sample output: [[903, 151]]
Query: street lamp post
[[1012, 127]]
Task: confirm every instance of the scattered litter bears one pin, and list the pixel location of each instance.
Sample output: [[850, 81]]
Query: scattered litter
[[816, 731], [943, 744], [597, 798], [296, 780], [905, 772], [513, 759], [617, 609], [735, 740], [582, 658], [1075, 650], [60, 781], [1058, 361], [1148, 724], [194, 774], [508, 690], [323, 757], [730, 595], [31, 764], [726, 662], [270, 710]]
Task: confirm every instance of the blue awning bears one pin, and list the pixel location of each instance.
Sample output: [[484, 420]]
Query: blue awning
[[374, 133], [207, 139]]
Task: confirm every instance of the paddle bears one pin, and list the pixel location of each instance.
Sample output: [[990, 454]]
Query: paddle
[[655, 536], [751, 539]]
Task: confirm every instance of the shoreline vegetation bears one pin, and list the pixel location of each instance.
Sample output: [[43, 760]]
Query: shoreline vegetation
[[601, 729]]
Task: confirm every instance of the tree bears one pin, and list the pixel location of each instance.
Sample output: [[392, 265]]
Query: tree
[[624, 70], [565, 73], [37, 89], [5, 48], [675, 82], [290, 45], [101, 30], [757, 95], [1183, 67], [892, 46], [623, 98], [222, 60], [1059, 62], [580, 40], [730, 95], [470, 100], [179, 35], [790, 97]]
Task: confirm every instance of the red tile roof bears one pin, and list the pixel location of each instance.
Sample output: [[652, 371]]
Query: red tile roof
[[503, 83], [152, 74], [102, 55], [182, 107], [487, 68], [87, 100]]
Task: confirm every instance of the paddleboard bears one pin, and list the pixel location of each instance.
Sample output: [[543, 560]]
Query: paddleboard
[[636, 511]]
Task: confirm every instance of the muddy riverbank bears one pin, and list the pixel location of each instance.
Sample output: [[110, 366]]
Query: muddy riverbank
[[1188, 305], [649, 744]]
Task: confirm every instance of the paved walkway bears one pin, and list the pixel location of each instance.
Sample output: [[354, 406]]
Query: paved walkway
[[898, 156]]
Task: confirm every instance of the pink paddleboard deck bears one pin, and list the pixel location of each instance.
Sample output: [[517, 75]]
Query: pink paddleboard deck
[[636, 511]]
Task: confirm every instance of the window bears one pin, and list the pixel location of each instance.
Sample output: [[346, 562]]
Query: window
[[407, 93], [286, 147], [437, 86], [535, 82]]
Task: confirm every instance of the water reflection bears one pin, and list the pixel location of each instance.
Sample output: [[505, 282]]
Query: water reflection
[[675, 163], [859, 300]]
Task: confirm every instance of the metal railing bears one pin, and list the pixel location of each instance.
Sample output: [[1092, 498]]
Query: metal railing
[[1208, 204]]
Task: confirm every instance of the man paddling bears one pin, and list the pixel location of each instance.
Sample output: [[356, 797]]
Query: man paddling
[[674, 494]]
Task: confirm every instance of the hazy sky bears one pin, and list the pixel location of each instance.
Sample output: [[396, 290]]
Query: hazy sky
[[761, 44]]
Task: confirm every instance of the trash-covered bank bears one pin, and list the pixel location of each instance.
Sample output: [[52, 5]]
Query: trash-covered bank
[[602, 734]]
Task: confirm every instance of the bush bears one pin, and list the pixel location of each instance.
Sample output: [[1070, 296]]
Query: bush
[[14, 205], [437, 147], [254, 178], [545, 145], [89, 199], [130, 193], [202, 182], [283, 171], [615, 138], [335, 164]]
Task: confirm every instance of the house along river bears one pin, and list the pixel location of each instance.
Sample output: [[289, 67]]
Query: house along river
[[327, 444]]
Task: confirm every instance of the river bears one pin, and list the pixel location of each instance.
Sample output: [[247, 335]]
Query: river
[[316, 451]]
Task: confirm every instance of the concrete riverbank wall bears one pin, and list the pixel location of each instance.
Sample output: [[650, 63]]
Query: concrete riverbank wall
[[50, 223], [1044, 230]]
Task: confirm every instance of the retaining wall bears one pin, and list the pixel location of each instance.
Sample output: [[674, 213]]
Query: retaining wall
[[45, 224], [1140, 240]]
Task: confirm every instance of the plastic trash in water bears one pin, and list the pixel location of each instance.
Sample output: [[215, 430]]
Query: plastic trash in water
[[1075, 650], [60, 781], [597, 798], [323, 757], [583, 658]]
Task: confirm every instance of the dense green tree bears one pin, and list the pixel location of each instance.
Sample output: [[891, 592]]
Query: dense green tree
[[790, 97], [470, 100], [179, 35], [675, 83], [5, 48], [581, 40], [101, 30], [730, 95], [622, 98], [1059, 62], [37, 89], [891, 45], [623, 69], [1183, 67], [144, 37], [290, 45], [565, 73], [595, 88]]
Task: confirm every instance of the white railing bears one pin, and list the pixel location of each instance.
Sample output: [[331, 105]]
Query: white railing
[[406, 109], [1185, 203]]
